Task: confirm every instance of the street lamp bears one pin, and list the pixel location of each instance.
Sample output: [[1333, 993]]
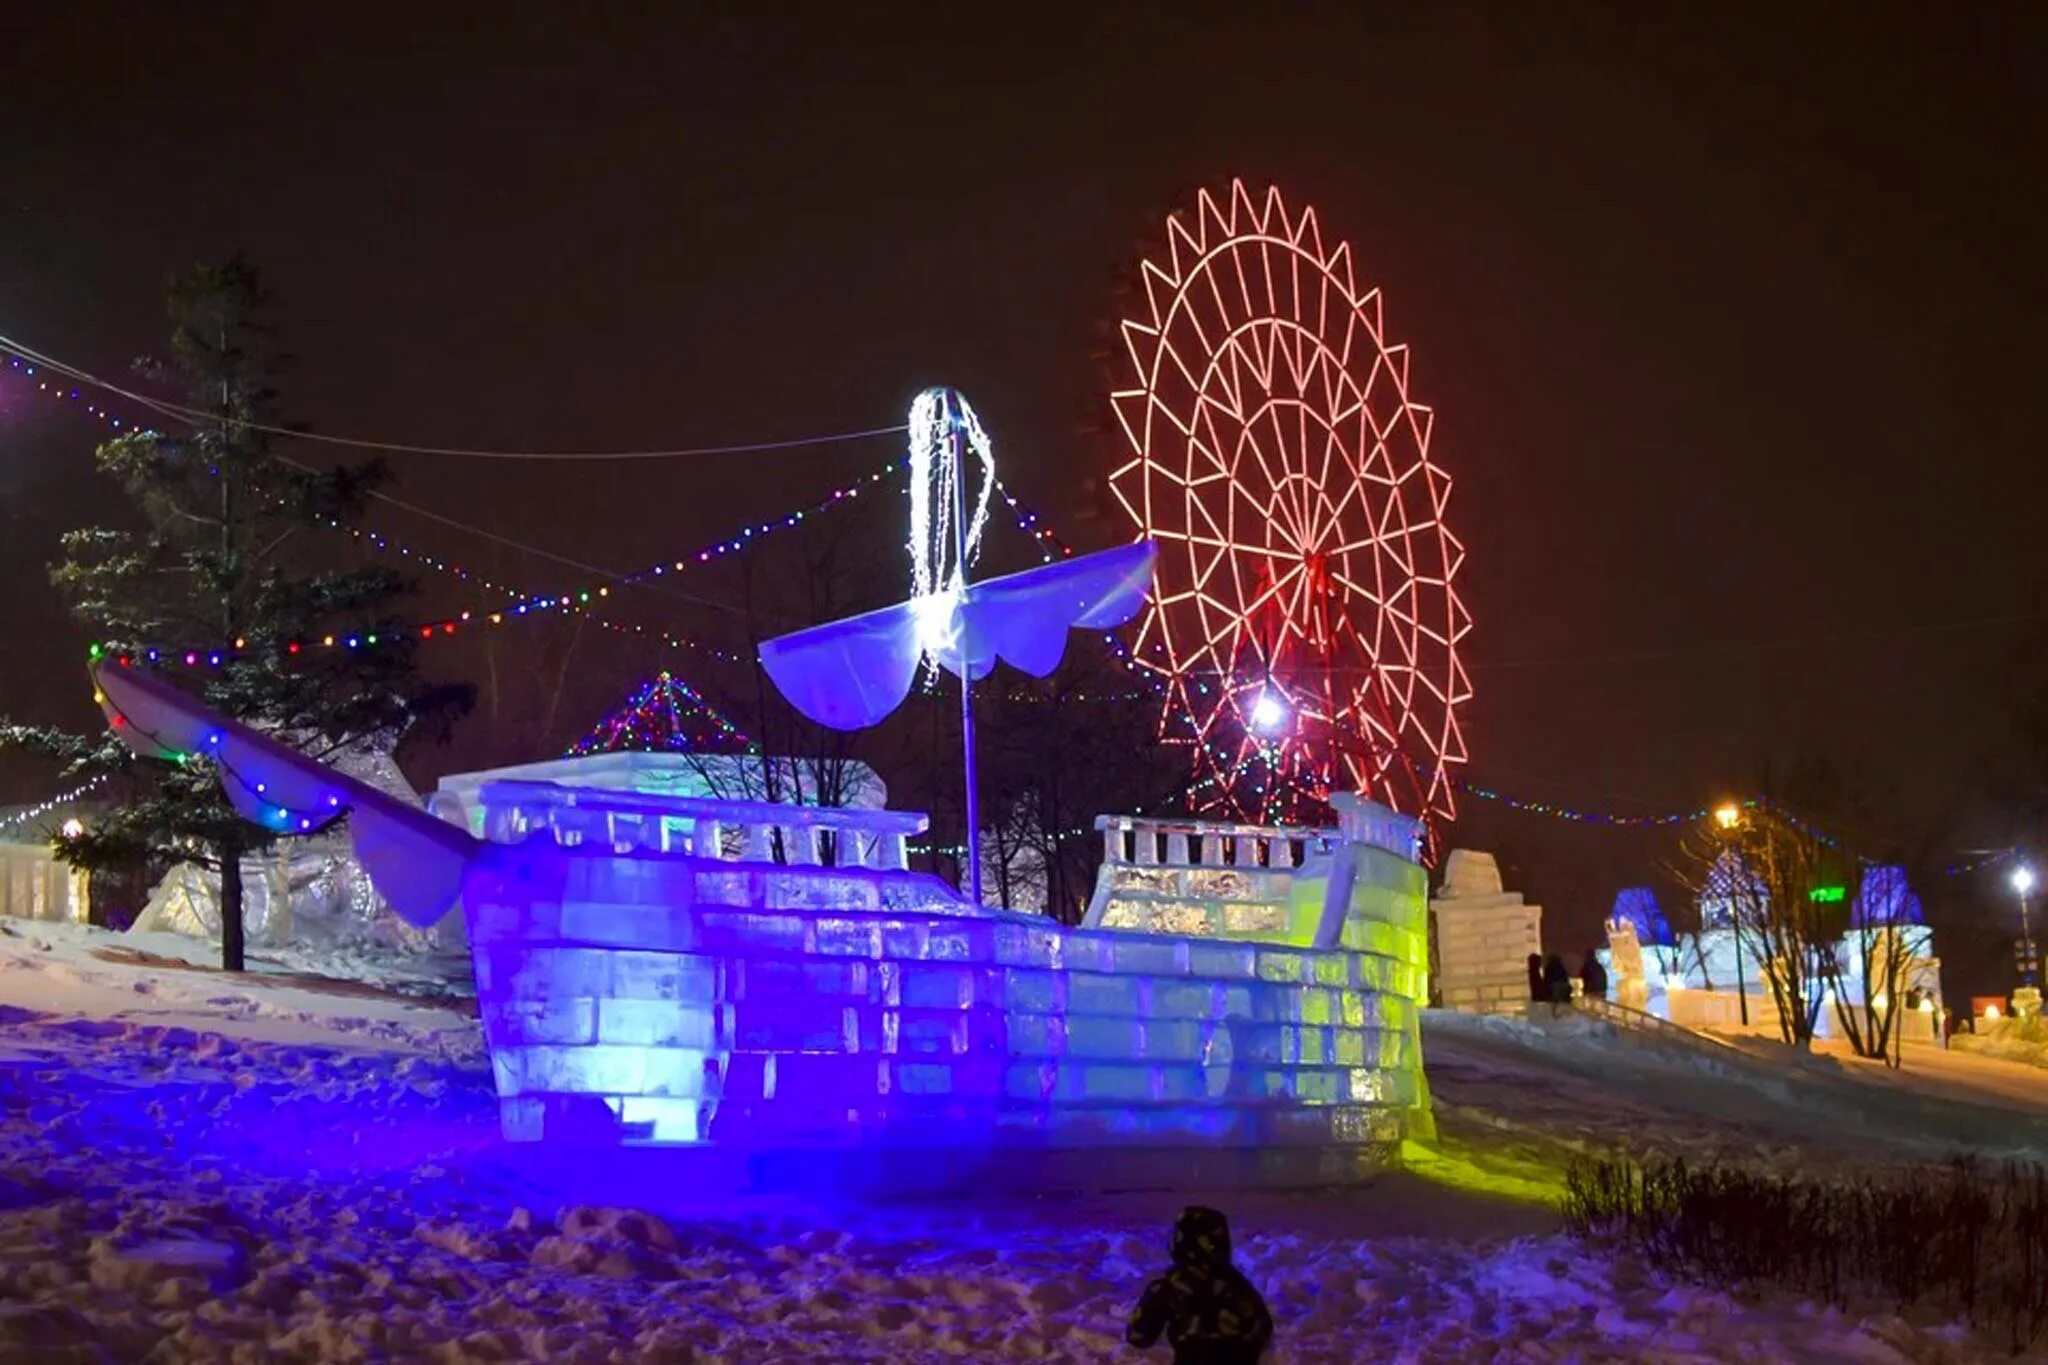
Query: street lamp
[[2022, 883], [1728, 815]]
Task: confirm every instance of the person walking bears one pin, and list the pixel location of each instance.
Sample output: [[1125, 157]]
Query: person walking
[[1539, 989]]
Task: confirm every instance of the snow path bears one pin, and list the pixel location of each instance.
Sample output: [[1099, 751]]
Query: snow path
[[1545, 1092], [175, 1193]]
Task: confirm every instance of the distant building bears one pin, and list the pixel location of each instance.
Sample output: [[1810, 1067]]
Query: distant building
[[1702, 980], [33, 884]]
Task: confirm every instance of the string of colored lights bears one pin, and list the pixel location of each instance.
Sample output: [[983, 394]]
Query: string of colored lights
[[1586, 817], [26, 359], [1981, 861], [746, 538], [30, 814], [25, 362], [1028, 522], [579, 600], [66, 393], [653, 721], [576, 600], [61, 391], [283, 819]]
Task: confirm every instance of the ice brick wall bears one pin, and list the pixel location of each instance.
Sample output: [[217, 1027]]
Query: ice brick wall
[[630, 999], [1380, 905], [1484, 937]]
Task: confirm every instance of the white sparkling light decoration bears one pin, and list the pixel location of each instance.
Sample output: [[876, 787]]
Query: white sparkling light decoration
[[938, 568]]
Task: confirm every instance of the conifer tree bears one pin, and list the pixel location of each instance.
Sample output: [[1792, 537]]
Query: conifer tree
[[221, 558]]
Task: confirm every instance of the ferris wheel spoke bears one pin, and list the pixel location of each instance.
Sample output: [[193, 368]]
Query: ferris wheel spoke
[[1244, 286], [1268, 477], [1207, 443], [1223, 374], [1285, 496], [1351, 491]]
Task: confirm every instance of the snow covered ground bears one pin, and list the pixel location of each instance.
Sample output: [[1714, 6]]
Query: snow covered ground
[[2012, 1040], [193, 1168], [1539, 1093]]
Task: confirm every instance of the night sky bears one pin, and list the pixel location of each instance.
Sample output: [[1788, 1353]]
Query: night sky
[[1734, 319]]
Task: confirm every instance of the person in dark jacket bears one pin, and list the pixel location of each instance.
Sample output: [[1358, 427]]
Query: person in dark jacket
[[1593, 977], [1560, 982], [1209, 1311], [1539, 989]]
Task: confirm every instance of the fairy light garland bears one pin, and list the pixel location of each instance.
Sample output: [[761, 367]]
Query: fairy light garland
[[1028, 522], [1586, 817], [576, 601], [656, 720], [49, 805], [1980, 862], [745, 538], [280, 819], [68, 394]]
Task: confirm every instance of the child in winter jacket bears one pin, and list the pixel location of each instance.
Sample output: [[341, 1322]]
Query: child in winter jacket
[[1207, 1309]]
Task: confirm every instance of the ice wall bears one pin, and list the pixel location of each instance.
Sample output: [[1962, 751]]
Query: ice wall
[[642, 995], [1484, 935]]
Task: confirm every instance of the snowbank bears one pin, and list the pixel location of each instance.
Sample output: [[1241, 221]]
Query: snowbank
[[2014, 1040], [77, 971]]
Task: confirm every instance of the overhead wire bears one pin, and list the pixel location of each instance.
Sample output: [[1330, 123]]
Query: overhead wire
[[166, 408]]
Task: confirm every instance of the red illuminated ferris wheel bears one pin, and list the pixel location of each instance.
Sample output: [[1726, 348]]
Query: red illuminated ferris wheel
[[1306, 619]]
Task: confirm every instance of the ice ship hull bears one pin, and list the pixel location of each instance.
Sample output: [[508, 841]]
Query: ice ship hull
[[637, 985]]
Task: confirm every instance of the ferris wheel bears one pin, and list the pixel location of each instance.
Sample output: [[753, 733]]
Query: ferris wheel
[[1306, 621]]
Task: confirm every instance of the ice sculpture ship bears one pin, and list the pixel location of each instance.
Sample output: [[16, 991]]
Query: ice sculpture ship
[[1241, 1005]]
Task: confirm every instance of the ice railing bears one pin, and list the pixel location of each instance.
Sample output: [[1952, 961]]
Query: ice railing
[[701, 827], [1143, 841]]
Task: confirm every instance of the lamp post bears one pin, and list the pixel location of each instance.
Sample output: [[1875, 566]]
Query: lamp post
[[1728, 816], [2022, 883]]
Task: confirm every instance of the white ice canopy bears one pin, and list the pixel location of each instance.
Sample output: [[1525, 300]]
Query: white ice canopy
[[416, 861], [853, 673]]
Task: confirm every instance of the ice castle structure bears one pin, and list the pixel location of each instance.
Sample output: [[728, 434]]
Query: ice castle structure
[[1242, 1004]]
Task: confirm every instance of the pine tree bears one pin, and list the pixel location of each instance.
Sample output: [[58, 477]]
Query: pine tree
[[222, 567]]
